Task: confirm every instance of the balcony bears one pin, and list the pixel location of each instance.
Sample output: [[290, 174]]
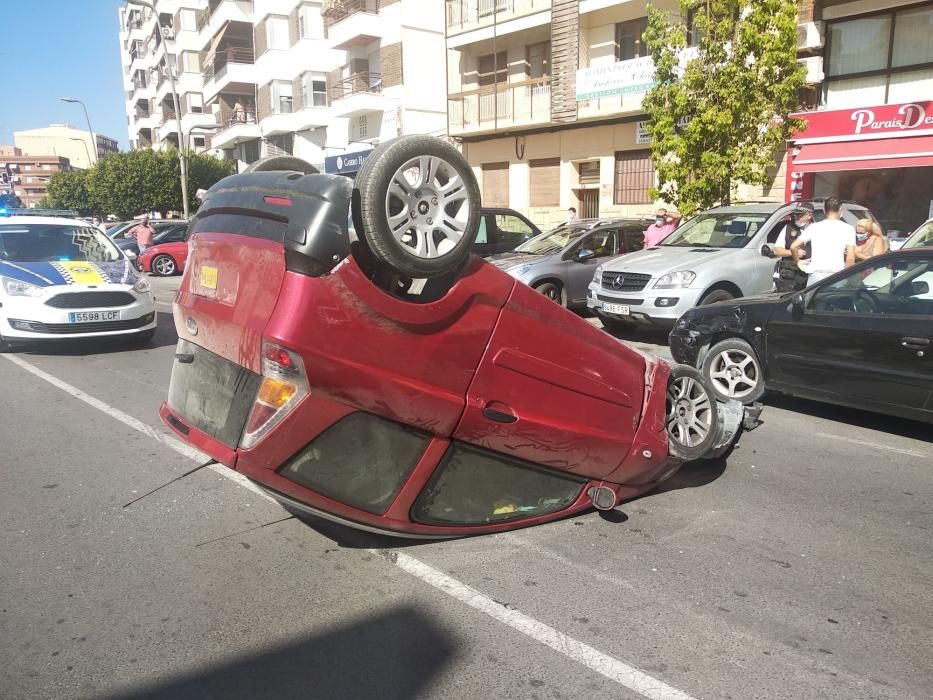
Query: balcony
[[236, 129], [350, 23], [466, 15], [360, 92], [229, 65], [501, 106], [219, 12]]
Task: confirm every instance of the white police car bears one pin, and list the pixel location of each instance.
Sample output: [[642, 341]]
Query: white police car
[[61, 278]]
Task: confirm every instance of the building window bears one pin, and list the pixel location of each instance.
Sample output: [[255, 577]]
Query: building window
[[629, 43], [492, 68], [310, 22], [693, 33], [281, 97], [199, 142], [313, 90], [544, 182], [277, 32], [496, 184], [362, 126], [882, 58], [195, 103], [538, 60], [634, 176]]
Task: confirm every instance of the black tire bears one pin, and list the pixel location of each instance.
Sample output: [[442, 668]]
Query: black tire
[[281, 163], [615, 325], [553, 291], [690, 405], [414, 250], [715, 295], [738, 371], [166, 263]]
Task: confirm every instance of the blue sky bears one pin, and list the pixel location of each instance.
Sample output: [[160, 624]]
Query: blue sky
[[55, 48]]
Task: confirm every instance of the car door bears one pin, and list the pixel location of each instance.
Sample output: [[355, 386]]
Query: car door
[[865, 338], [604, 243], [508, 232]]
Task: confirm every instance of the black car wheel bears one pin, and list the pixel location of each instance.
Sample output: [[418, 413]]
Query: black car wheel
[[715, 295], [164, 265], [733, 371], [692, 414], [552, 291], [416, 206], [284, 163]]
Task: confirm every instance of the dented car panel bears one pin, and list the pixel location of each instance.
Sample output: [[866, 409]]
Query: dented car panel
[[701, 327]]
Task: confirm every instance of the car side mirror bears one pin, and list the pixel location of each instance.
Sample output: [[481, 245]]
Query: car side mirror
[[584, 254], [918, 288], [797, 306], [767, 251]]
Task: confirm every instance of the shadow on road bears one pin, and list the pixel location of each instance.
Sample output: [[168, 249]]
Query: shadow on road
[[903, 427], [396, 654], [164, 336], [693, 475]]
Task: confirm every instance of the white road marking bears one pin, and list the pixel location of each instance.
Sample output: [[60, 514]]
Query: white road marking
[[608, 666], [876, 445], [128, 420]]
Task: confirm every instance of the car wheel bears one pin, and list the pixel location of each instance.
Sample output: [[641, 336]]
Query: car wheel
[[552, 291], [716, 295], [281, 163], [615, 325], [732, 368], [416, 206], [164, 265], [692, 414]]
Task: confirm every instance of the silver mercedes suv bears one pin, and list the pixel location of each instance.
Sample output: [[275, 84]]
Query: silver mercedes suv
[[715, 256]]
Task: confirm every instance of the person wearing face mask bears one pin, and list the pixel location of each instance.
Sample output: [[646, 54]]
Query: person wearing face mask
[[788, 277], [869, 240], [664, 225]]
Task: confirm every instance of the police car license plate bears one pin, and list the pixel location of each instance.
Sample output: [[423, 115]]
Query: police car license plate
[[93, 316], [620, 309]]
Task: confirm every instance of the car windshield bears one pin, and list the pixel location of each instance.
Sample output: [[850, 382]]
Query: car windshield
[[551, 241], [56, 243], [922, 237], [717, 230]]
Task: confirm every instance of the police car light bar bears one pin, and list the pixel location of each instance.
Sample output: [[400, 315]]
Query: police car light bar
[[66, 213]]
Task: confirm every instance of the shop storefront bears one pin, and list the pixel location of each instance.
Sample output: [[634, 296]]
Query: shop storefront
[[348, 164], [880, 157]]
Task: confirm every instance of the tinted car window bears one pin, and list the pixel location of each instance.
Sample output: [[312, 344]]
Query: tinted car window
[[56, 243], [511, 229], [482, 236], [893, 287], [603, 242], [633, 238], [922, 237], [551, 241]]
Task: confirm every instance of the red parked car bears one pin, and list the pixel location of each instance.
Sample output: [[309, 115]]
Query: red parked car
[[371, 371], [168, 256]]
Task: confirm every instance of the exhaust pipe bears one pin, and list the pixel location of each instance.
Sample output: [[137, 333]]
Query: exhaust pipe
[[603, 497]]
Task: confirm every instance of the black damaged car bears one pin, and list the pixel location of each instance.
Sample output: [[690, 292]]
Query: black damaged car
[[861, 338]]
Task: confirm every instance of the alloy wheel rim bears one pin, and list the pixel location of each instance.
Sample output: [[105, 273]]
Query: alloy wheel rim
[[689, 411], [427, 207], [165, 266], [734, 373]]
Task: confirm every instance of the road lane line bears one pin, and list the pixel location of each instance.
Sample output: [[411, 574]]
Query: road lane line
[[875, 445], [128, 420], [608, 666]]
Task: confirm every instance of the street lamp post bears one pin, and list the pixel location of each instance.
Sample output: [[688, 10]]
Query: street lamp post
[[182, 159], [90, 130], [83, 143]]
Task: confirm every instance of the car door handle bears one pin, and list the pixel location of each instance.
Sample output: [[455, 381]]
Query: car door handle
[[915, 343], [499, 412]]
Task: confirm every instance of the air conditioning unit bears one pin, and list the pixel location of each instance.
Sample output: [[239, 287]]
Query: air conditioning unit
[[814, 66], [168, 33], [811, 35]]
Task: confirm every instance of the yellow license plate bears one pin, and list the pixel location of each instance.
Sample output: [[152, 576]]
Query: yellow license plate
[[209, 277]]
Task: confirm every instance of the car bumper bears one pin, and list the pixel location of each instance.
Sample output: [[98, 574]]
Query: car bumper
[[661, 307], [29, 319]]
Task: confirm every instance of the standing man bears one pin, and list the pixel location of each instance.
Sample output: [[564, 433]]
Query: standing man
[[787, 276], [663, 226], [96, 223], [832, 241], [571, 216], [142, 232]]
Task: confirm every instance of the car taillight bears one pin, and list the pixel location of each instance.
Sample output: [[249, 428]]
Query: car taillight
[[284, 385]]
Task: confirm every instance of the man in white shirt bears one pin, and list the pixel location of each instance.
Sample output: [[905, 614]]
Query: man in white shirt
[[832, 241]]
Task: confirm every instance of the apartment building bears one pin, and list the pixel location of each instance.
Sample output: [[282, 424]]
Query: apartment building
[[29, 175], [324, 81], [869, 133], [77, 145]]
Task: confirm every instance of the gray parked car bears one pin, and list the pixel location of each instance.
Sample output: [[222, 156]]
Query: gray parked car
[[560, 262], [715, 256]]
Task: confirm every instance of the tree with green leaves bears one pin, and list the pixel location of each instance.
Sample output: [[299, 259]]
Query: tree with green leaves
[[69, 190], [719, 113]]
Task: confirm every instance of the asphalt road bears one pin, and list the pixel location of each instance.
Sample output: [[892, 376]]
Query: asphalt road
[[800, 568]]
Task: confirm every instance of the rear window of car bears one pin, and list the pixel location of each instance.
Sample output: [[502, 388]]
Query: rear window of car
[[56, 243]]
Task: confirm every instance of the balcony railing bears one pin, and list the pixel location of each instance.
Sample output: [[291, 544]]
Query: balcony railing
[[138, 52], [140, 83], [341, 9], [501, 105], [355, 84], [216, 62], [470, 14]]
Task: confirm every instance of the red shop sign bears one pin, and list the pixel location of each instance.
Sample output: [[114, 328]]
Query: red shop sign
[[909, 119]]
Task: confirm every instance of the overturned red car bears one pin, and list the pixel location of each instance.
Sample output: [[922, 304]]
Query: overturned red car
[[339, 346]]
